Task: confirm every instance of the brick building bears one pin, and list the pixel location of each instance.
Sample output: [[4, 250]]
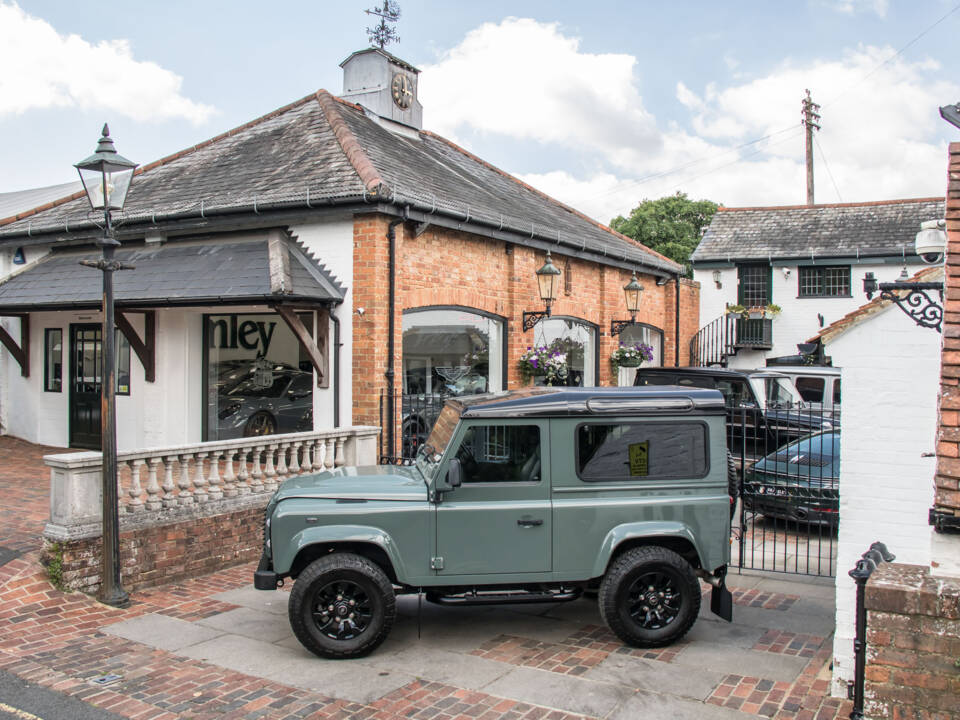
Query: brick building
[[407, 261]]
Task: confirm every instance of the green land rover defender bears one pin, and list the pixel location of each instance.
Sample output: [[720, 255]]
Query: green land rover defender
[[534, 495]]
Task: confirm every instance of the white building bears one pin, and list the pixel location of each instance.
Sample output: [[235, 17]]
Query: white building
[[808, 260], [891, 378]]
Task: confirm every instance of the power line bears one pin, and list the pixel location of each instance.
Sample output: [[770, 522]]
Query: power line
[[827, 166]]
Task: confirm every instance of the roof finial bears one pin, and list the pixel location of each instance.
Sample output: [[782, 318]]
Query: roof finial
[[384, 34]]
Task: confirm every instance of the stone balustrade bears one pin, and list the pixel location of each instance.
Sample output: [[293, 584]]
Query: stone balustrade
[[159, 485]]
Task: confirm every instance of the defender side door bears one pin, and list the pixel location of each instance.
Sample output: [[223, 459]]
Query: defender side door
[[499, 521]]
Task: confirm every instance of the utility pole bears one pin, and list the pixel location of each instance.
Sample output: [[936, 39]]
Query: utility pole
[[811, 121]]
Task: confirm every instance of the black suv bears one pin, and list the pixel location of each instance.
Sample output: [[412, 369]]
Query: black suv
[[764, 409]]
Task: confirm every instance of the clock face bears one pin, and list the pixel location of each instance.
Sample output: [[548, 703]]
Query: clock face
[[402, 90]]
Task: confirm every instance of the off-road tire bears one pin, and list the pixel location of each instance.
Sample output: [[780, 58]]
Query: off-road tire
[[351, 571], [618, 586], [733, 483]]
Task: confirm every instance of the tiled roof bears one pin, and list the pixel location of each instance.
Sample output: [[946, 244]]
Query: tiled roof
[[870, 229], [321, 151], [171, 273], [20, 201], [867, 310]]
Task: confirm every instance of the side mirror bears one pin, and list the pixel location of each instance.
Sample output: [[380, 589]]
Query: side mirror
[[454, 478]]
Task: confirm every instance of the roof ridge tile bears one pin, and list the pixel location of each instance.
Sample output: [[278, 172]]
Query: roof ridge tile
[[866, 203], [351, 147]]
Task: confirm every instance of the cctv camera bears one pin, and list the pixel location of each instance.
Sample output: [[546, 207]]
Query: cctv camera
[[931, 242]]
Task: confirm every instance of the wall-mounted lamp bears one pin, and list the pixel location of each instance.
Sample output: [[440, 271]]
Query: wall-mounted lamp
[[18, 257], [548, 282], [632, 292], [716, 279], [915, 302]]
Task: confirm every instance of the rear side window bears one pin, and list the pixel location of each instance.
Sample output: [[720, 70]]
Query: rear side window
[[641, 451], [811, 388]]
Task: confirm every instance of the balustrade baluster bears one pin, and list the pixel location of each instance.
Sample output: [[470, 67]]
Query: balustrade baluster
[[270, 472], [153, 489], [216, 491], [338, 459], [169, 498], [135, 504], [243, 478], [199, 479], [256, 486], [328, 454], [185, 497], [294, 460], [282, 471], [317, 455], [229, 478]]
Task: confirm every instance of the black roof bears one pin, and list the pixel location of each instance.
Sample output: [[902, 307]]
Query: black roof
[[320, 152], [711, 372], [182, 273], [871, 229], [576, 401]]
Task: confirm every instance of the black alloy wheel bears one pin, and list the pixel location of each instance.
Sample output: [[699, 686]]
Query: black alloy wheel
[[342, 606], [650, 596]]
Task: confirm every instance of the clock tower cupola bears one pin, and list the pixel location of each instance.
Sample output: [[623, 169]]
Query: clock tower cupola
[[384, 85]]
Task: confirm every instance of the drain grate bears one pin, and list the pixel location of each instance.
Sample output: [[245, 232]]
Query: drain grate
[[103, 680]]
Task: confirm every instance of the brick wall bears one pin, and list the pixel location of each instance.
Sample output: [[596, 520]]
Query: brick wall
[[162, 554], [448, 267], [947, 498], [914, 645]]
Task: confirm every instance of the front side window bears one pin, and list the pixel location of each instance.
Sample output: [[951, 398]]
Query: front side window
[[779, 394], [836, 391], [824, 281], [500, 453], [53, 360], [641, 451], [810, 388], [451, 352]]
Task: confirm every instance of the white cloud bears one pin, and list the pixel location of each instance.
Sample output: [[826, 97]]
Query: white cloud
[[526, 80], [852, 7], [40, 68]]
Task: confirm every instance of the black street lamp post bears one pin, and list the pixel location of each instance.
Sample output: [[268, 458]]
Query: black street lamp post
[[106, 178]]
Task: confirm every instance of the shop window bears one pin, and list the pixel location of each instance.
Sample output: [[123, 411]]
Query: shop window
[[53, 360], [641, 451], [259, 379], [452, 351], [824, 281], [648, 335], [576, 341]]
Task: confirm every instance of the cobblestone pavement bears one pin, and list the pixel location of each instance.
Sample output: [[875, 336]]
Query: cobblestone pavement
[[215, 648]]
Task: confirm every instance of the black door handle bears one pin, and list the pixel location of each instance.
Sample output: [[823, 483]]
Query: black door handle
[[529, 522]]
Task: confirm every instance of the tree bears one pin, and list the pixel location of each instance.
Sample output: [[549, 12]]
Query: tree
[[672, 225]]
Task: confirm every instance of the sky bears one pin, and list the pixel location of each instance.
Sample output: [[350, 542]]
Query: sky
[[601, 104]]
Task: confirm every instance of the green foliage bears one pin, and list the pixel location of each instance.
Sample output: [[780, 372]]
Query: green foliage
[[53, 559], [672, 225]]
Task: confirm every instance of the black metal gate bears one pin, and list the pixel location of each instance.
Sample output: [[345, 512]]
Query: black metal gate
[[788, 510]]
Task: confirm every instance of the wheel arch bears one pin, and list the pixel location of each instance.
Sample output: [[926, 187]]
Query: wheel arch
[[370, 543], [671, 535]]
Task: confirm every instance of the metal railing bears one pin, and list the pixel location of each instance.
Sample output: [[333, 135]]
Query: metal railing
[[722, 337]]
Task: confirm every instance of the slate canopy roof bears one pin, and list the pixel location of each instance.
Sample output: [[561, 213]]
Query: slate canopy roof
[[849, 230], [321, 152]]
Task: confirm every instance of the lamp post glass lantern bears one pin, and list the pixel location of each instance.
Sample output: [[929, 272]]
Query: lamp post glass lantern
[[106, 178], [631, 292], [548, 281]]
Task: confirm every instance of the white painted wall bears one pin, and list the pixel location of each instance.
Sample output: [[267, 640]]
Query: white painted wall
[[798, 322], [332, 245], [891, 371]]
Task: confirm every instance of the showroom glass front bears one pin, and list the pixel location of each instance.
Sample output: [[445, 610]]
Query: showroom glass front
[[259, 379], [451, 352], [577, 341]]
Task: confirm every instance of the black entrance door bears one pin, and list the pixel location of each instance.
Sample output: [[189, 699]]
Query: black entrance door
[[85, 349]]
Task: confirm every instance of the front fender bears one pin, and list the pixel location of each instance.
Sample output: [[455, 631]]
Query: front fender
[[639, 530], [327, 534]]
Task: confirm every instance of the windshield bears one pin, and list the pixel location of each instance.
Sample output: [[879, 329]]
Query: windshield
[[432, 450], [780, 393]]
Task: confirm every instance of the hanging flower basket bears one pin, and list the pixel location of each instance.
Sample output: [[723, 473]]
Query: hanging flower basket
[[631, 356], [548, 362]]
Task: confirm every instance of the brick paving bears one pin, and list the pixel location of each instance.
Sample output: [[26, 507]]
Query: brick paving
[[56, 640], [24, 493]]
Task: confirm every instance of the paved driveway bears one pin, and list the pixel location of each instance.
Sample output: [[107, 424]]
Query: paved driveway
[[24, 495]]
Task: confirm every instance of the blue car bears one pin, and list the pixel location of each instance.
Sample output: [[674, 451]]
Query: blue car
[[799, 481]]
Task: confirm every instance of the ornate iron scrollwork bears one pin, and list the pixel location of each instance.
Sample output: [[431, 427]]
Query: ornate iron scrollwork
[[916, 303], [618, 326]]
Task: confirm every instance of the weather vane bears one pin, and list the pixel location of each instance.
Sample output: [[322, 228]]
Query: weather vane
[[384, 34]]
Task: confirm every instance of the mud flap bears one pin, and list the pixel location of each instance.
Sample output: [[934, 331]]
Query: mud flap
[[721, 601]]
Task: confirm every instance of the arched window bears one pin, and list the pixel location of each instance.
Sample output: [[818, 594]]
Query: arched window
[[452, 351], [577, 340], [648, 335]]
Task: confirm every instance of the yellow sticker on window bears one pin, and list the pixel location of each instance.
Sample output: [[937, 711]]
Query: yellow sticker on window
[[639, 459]]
